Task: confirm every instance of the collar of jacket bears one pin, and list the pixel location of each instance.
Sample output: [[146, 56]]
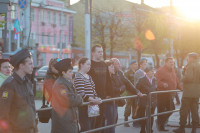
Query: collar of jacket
[[51, 74], [192, 62], [3, 76], [168, 69], [18, 78], [65, 82]]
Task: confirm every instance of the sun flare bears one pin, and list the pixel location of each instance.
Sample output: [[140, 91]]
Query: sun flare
[[189, 9]]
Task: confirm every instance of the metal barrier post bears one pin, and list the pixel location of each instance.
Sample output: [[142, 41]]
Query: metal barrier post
[[114, 118], [189, 119], [148, 127]]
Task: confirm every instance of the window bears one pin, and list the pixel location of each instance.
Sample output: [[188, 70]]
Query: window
[[65, 20], [49, 17], [43, 59], [49, 39], [32, 35], [13, 12], [42, 38], [60, 18], [66, 41], [35, 37], [32, 14], [54, 39], [42, 14], [55, 55], [54, 18]]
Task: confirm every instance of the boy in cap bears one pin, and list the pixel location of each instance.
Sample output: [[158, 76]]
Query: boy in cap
[[146, 85], [17, 114], [65, 100], [139, 74]]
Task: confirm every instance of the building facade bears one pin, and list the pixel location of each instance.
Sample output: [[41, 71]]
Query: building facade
[[51, 29]]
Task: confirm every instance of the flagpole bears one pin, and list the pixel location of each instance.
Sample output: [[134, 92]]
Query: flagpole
[[18, 40], [9, 38]]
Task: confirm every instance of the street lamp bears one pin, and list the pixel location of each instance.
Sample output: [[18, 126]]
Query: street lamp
[[171, 27]]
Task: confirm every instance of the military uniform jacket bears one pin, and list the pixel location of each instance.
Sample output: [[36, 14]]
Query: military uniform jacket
[[65, 101], [17, 105], [130, 75], [191, 80]]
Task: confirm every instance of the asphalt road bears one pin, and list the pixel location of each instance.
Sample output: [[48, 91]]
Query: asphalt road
[[172, 123]]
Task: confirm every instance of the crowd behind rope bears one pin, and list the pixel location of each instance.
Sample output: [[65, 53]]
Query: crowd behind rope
[[95, 80]]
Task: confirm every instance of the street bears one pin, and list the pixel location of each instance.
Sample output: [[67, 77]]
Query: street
[[172, 123]]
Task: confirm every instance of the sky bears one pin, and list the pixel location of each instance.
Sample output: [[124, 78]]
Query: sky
[[189, 8]]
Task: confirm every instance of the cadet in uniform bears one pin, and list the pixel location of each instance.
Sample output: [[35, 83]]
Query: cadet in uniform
[[191, 93], [17, 113], [65, 100], [130, 105]]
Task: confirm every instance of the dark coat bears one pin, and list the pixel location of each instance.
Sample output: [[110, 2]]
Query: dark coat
[[122, 83], [191, 80], [65, 101], [17, 104], [100, 75], [146, 87], [130, 75]]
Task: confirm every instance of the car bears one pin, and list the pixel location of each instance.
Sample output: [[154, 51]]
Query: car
[[41, 73], [75, 69]]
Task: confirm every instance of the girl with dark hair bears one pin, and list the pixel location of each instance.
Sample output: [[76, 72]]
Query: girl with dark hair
[[51, 76], [85, 86]]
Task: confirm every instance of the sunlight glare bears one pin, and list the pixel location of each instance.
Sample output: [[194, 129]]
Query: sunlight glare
[[189, 9], [73, 2]]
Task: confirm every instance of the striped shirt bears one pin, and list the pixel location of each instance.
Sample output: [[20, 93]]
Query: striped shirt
[[85, 87]]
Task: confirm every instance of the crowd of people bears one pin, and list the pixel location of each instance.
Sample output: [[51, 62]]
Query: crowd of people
[[95, 80]]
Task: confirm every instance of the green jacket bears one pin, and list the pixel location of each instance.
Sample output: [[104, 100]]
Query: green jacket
[[65, 102], [191, 80], [130, 75], [2, 78]]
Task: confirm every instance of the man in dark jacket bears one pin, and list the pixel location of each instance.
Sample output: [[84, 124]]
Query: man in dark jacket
[[100, 75], [191, 93], [17, 114], [130, 105]]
